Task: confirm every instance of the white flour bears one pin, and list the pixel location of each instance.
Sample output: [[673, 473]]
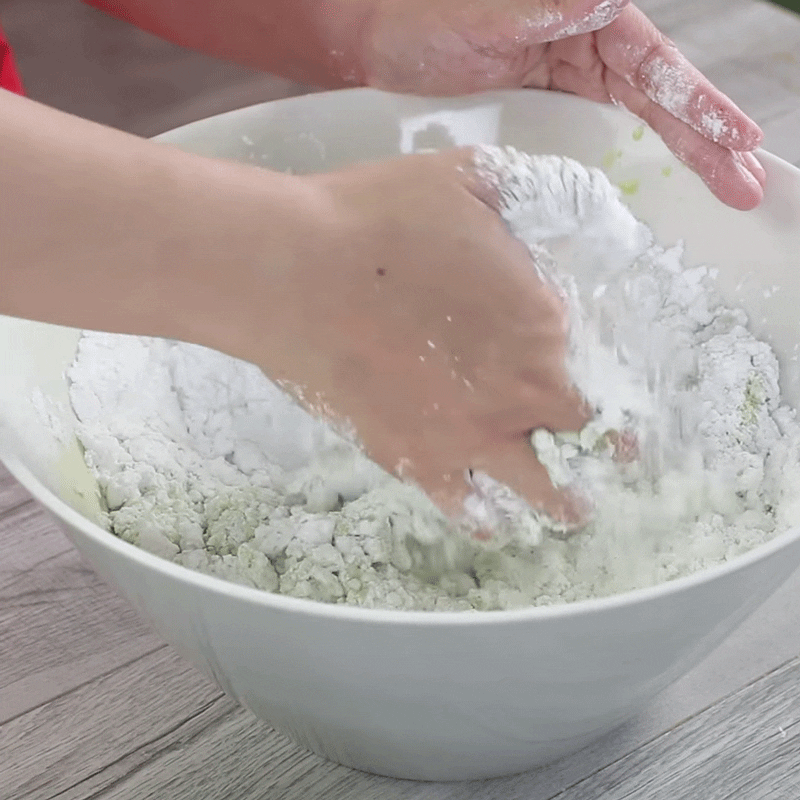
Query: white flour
[[202, 460], [600, 16]]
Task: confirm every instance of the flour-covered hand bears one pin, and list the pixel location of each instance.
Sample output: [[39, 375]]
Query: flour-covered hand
[[423, 322], [605, 50]]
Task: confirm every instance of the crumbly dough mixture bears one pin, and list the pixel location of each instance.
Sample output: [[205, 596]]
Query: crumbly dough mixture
[[204, 461]]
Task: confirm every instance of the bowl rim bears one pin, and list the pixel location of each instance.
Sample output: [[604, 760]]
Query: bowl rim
[[351, 613], [343, 612]]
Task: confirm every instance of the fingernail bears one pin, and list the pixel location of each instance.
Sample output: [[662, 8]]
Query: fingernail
[[753, 166], [744, 169]]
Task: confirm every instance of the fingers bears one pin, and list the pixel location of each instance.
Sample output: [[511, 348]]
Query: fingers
[[636, 51], [549, 401], [515, 465], [632, 63], [736, 178], [507, 495]]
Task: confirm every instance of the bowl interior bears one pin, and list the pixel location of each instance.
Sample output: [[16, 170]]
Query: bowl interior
[[755, 252]]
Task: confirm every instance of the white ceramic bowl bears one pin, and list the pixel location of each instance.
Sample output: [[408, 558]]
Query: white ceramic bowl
[[436, 695]]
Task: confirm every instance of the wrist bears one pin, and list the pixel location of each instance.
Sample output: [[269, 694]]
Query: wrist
[[314, 42], [114, 233], [243, 285]]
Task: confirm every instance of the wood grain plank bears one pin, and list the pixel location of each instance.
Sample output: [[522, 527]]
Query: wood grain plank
[[60, 625], [28, 538], [673, 18], [62, 604], [85, 737], [713, 31], [747, 746], [744, 747], [11, 493]]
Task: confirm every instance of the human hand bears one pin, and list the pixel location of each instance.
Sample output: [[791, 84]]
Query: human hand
[[424, 323], [606, 51], [391, 293]]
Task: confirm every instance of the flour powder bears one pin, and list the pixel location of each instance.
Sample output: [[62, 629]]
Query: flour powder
[[202, 460]]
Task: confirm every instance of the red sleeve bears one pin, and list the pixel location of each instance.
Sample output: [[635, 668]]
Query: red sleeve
[[9, 77]]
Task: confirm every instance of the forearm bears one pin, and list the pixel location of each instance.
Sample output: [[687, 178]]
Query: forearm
[[312, 41], [99, 229]]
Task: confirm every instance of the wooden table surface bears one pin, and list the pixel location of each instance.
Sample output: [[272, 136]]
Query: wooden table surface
[[94, 705]]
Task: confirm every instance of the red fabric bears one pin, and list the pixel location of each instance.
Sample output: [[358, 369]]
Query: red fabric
[[9, 77]]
